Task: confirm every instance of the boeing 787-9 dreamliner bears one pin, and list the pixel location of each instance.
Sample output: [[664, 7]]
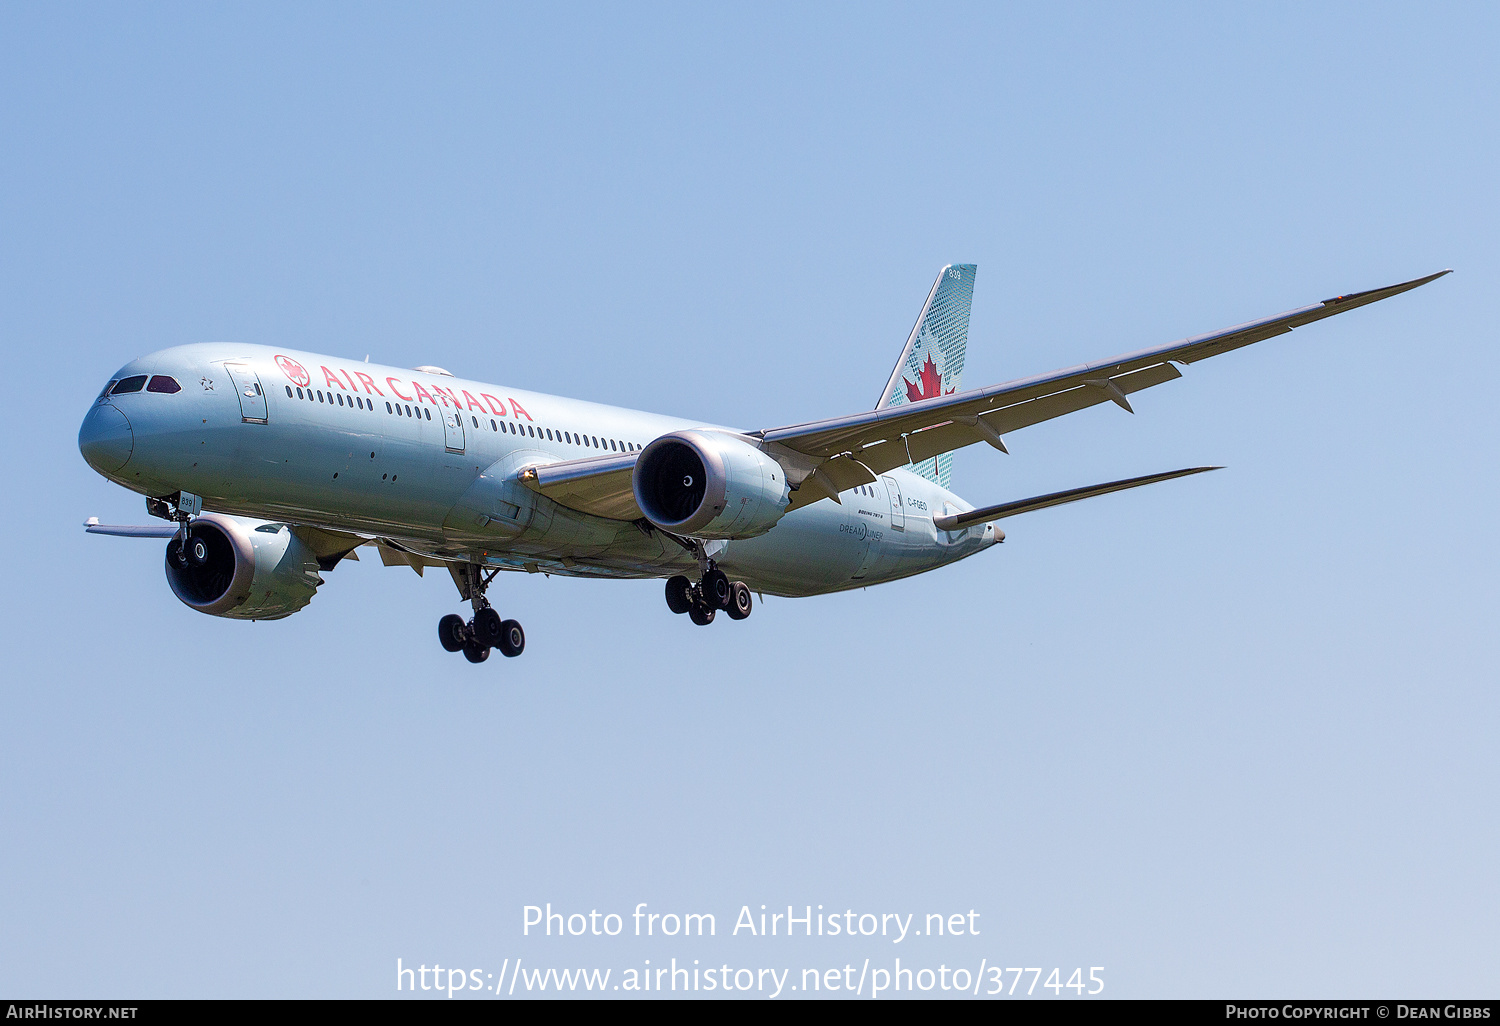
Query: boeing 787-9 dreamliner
[[271, 466]]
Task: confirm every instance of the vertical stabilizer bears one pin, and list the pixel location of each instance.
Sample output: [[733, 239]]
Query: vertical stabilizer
[[933, 361]]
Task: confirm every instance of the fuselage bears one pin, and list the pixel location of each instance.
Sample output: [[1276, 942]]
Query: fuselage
[[431, 462]]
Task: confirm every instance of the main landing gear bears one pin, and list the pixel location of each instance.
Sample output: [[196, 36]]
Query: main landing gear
[[702, 601], [486, 630]]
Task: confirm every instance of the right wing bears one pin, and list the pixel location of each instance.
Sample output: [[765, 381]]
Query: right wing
[[831, 456], [842, 452]]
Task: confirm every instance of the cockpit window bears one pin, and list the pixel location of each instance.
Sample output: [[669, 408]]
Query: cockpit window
[[162, 383], [105, 390], [130, 384]]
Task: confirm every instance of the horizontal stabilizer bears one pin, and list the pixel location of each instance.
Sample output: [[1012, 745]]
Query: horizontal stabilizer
[[959, 521], [92, 526]]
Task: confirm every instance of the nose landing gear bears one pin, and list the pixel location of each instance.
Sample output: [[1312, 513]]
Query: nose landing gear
[[702, 601], [486, 630]]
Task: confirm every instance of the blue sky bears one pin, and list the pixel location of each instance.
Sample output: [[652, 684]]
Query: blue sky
[[1228, 735]]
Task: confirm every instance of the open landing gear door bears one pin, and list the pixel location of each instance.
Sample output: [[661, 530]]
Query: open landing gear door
[[252, 399]]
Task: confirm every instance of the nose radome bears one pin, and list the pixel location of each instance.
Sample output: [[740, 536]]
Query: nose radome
[[105, 439]]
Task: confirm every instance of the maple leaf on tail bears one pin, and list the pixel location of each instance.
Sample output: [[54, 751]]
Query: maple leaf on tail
[[931, 384]]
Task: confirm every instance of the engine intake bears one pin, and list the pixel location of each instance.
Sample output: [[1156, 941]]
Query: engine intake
[[243, 569], [709, 484]]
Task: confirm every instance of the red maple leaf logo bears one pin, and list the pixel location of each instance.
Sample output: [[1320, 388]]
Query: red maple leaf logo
[[295, 372], [931, 384]]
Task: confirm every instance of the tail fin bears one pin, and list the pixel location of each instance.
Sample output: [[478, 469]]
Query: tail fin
[[933, 361]]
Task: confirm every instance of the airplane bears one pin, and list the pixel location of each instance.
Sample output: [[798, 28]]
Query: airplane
[[270, 466]]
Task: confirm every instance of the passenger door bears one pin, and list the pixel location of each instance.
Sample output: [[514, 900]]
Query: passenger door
[[247, 385], [453, 430], [898, 510]]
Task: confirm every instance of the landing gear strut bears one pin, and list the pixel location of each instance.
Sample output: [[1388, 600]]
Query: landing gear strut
[[715, 591], [486, 630], [182, 508]]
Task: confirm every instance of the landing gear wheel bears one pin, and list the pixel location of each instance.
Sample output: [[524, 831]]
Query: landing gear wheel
[[475, 653], [679, 594], [716, 589], [512, 640], [739, 601], [488, 627], [452, 633], [702, 614]]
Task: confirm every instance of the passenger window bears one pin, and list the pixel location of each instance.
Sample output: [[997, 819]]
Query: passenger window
[[130, 384], [492, 424], [289, 391], [299, 393], [475, 420], [341, 398], [320, 395], [549, 434], [408, 411], [164, 384], [427, 414]]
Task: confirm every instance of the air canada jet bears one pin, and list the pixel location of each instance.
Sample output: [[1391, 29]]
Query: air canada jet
[[271, 466]]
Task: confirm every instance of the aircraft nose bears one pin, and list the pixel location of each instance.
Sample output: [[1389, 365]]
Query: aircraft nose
[[105, 439]]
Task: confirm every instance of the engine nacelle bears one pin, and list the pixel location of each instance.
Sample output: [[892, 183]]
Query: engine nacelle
[[709, 484], [241, 568]]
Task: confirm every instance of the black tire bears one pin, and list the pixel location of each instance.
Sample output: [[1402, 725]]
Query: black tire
[[487, 627], [452, 633], [716, 589], [740, 603], [512, 640], [475, 653], [679, 594], [701, 614]]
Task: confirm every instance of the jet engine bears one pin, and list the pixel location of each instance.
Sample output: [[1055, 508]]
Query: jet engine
[[241, 568], [709, 484]]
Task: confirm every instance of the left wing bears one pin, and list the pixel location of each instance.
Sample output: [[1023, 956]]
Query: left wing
[[92, 526], [599, 485]]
